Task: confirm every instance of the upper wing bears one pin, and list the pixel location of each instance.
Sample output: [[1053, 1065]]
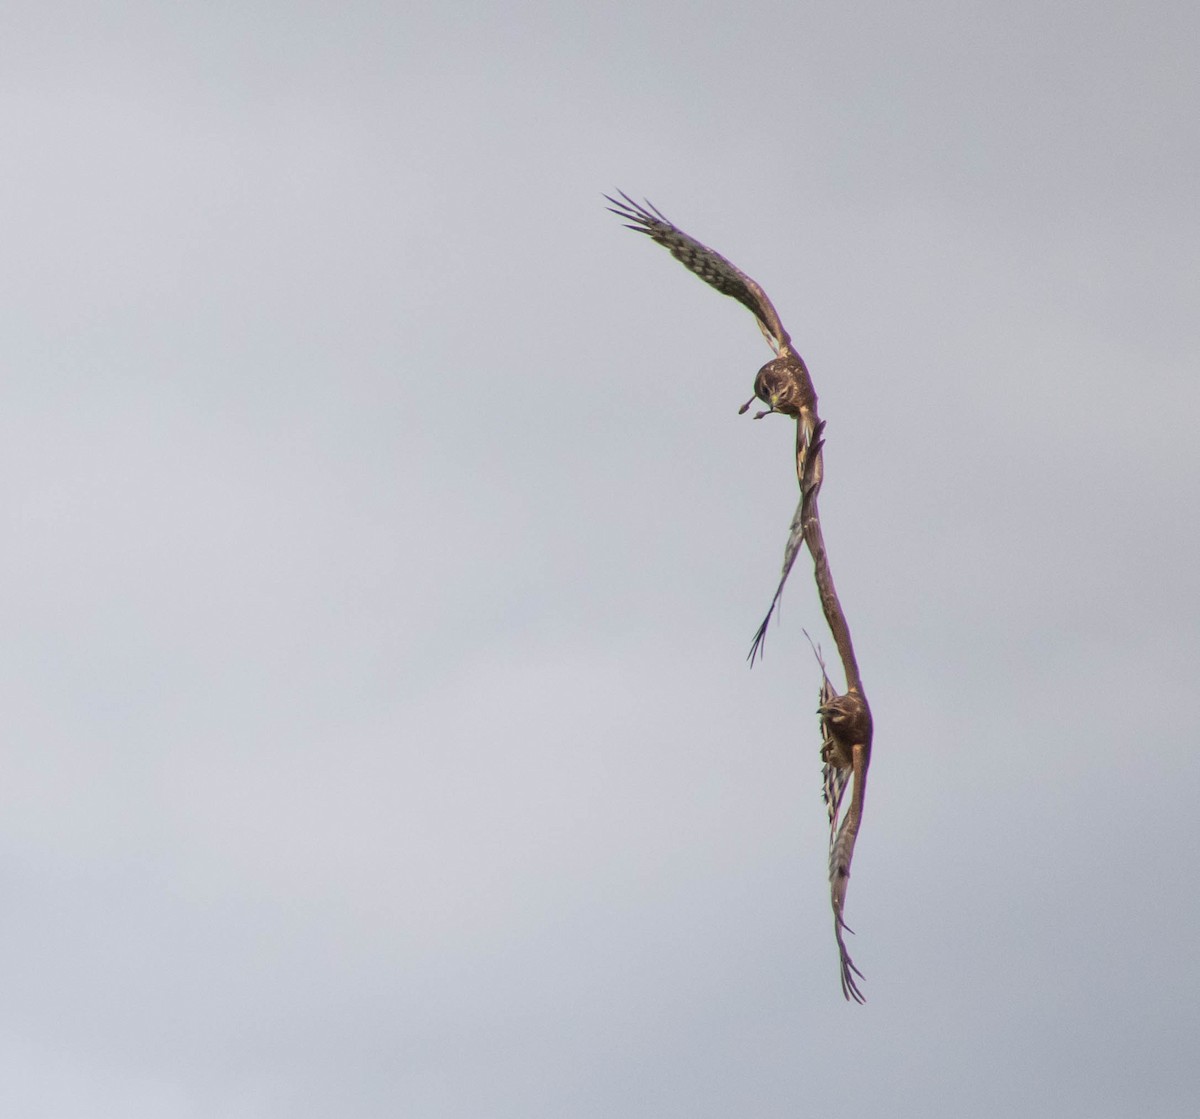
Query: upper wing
[[710, 266]]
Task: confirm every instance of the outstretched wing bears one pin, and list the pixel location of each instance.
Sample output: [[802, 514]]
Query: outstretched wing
[[808, 443], [840, 855], [790, 552], [710, 266]]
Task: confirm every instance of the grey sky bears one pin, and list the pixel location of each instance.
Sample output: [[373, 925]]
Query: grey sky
[[382, 546]]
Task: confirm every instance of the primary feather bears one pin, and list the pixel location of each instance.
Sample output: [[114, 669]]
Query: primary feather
[[706, 263]]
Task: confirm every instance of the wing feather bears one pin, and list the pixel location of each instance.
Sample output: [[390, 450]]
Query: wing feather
[[706, 263], [808, 443], [795, 541], [840, 856]]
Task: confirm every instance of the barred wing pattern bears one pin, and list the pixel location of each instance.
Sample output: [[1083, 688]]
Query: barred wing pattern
[[709, 265], [840, 855]]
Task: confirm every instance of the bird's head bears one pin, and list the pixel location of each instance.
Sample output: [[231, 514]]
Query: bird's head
[[848, 717], [783, 384]]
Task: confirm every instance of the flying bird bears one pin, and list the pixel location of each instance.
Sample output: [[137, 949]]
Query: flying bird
[[846, 733], [783, 384]]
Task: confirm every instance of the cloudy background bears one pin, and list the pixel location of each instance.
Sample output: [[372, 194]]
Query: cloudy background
[[381, 548]]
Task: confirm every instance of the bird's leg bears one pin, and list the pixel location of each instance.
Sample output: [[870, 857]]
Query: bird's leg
[[757, 415]]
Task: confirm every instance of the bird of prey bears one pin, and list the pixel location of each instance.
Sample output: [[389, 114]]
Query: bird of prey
[[783, 384], [845, 753]]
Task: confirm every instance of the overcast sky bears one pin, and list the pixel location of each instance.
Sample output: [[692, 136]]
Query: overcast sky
[[382, 547]]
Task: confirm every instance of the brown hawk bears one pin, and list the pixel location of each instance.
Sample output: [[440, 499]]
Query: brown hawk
[[784, 385], [846, 733]]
